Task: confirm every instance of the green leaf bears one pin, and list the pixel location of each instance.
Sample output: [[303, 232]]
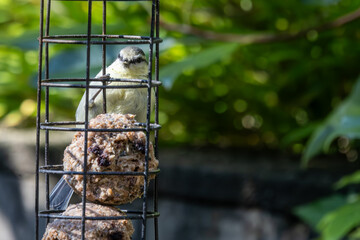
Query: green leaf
[[316, 142], [348, 126], [204, 58], [343, 121], [339, 222], [313, 212], [353, 178]]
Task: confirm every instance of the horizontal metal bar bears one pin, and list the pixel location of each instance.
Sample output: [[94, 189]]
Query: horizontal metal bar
[[56, 214], [126, 80], [94, 80], [129, 41], [137, 124], [106, 0], [75, 129], [52, 126], [61, 123], [58, 169], [139, 216], [111, 36], [90, 173], [68, 85], [56, 211]]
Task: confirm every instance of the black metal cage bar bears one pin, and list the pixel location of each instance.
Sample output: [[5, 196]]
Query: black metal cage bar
[[45, 124]]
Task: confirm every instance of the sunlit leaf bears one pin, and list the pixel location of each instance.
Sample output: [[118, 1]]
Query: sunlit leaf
[[313, 212], [353, 178], [339, 222]]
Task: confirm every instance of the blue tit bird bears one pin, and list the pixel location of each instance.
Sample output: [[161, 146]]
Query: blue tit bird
[[131, 63]]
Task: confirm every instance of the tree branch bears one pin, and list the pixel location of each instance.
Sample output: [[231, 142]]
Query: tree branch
[[260, 37]]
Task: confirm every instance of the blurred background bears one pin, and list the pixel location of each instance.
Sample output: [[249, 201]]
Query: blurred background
[[260, 108]]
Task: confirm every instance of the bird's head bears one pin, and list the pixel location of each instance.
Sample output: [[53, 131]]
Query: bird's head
[[133, 60]]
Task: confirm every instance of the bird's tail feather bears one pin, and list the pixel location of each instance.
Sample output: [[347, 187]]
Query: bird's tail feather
[[61, 195]]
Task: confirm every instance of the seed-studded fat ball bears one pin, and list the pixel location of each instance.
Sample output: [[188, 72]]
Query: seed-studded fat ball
[[70, 229], [110, 151]]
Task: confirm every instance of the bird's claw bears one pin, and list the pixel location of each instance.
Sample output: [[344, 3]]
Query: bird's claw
[[105, 77]]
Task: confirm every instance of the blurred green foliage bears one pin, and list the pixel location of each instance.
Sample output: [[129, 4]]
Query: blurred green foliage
[[313, 213], [343, 124], [270, 95], [334, 217]]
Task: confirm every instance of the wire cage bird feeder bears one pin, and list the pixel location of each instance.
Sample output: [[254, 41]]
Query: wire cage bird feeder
[[45, 124]]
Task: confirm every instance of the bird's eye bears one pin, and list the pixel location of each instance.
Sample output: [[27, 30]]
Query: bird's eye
[[139, 60]]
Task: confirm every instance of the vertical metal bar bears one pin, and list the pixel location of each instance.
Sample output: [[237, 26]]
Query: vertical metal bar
[[46, 154], [148, 115], [104, 54], [157, 18], [88, 38], [156, 143], [41, 34]]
